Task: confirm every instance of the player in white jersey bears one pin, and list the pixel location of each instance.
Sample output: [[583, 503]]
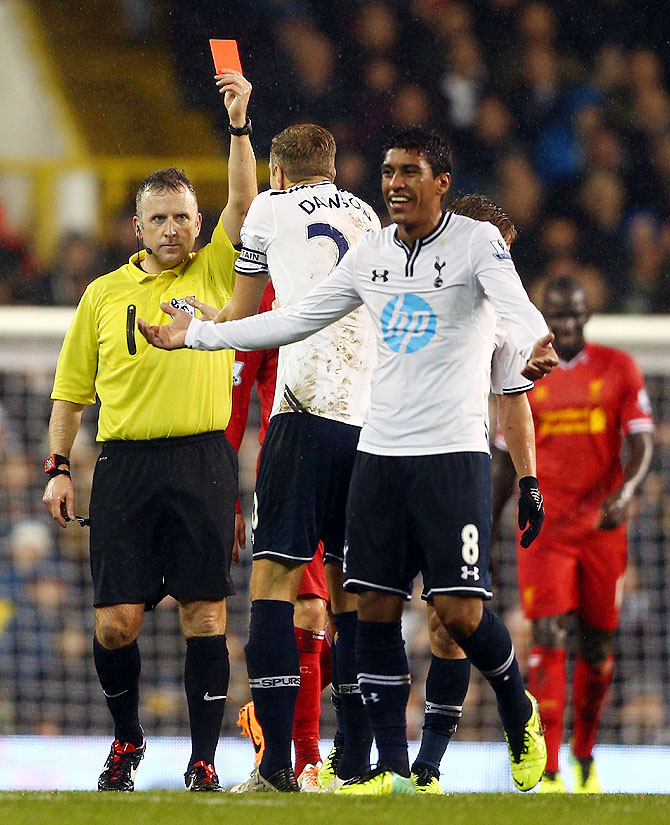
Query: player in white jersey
[[420, 495], [296, 232], [448, 676], [297, 235]]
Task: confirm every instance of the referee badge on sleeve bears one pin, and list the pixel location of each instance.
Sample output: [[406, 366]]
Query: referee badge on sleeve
[[180, 303]]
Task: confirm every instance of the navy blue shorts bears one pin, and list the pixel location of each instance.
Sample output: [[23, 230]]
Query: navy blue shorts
[[163, 520], [420, 514], [302, 486]]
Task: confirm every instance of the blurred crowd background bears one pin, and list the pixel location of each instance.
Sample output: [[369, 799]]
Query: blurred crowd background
[[558, 111]]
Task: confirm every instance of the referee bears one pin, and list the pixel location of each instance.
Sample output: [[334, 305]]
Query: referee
[[163, 497]]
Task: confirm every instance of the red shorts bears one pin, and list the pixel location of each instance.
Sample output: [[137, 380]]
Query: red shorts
[[584, 576], [313, 582]]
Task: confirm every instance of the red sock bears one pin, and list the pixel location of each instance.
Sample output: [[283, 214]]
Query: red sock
[[308, 704], [588, 696], [546, 681]]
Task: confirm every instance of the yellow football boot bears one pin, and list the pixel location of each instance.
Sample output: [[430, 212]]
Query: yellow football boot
[[551, 784], [528, 758], [327, 770], [379, 782], [585, 776], [426, 781]]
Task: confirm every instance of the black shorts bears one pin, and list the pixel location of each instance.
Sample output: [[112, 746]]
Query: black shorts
[[428, 514], [163, 519], [302, 486]]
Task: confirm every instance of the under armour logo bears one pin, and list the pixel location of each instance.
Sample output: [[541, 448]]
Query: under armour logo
[[373, 697], [384, 275], [466, 573], [439, 267]]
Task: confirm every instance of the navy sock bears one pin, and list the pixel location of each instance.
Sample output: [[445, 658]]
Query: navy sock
[[355, 726], [383, 676], [206, 677], [119, 675], [490, 649], [274, 678], [446, 686], [338, 739]]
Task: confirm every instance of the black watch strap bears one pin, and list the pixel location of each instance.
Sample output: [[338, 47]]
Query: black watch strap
[[57, 472], [238, 131]]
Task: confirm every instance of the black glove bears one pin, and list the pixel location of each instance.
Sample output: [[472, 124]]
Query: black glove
[[531, 509]]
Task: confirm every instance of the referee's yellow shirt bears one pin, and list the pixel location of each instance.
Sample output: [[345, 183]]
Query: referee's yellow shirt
[[146, 392]]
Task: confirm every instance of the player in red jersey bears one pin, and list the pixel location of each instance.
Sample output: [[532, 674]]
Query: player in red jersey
[[260, 366], [584, 412]]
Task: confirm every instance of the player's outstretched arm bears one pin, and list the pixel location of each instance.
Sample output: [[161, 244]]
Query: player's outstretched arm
[[208, 312], [169, 336], [542, 359], [246, 299]]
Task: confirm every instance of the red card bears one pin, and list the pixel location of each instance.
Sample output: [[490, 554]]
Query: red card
[[226, 57]]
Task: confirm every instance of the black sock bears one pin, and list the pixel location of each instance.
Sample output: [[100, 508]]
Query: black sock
[[119, 675], [446, 686], [383, 676], [356, 730], [490, 649], [206, 677], [338, 739], [274, 678]]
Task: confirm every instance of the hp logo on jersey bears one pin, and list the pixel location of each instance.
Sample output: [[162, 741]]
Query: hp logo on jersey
[[408, 323]]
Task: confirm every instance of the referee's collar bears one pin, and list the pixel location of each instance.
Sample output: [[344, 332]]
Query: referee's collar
[[426, 239], [135, 268]]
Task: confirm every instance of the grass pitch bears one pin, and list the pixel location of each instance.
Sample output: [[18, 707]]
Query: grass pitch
[[181, 808]]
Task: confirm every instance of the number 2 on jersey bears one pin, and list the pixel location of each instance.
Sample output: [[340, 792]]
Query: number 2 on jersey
[[325, 230]]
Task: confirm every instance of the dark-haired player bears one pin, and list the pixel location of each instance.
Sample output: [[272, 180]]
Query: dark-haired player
[[434, 284], [449, 672], [163, 498]]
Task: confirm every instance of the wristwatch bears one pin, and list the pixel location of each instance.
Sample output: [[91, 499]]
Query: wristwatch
[[238, 131], [52, 464]]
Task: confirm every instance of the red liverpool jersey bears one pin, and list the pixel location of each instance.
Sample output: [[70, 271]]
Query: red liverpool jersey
[[581, 411]]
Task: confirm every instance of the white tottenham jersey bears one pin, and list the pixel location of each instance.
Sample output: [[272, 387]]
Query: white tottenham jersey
[[298, 236], [506, 365], [434, 308]]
